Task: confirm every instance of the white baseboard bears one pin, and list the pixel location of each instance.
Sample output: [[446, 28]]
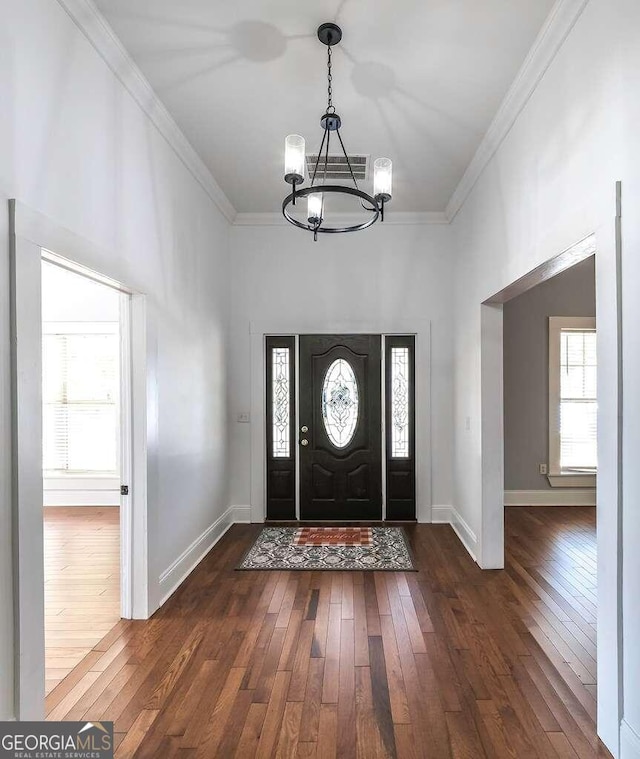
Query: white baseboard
[[551, 497], [182, 567], [242, 514], [449, 515], [177, 573], [629, 742], [441, 514]]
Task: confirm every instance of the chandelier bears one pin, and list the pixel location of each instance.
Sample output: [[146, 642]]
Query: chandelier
[[295, 161]]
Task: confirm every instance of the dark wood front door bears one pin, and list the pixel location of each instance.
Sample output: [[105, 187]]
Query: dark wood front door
[[340, 427]]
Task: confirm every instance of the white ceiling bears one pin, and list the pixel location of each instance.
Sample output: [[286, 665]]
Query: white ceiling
[[418, 81]]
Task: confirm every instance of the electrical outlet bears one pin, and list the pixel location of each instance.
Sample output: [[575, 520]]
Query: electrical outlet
[[244, 417], [542, 468]]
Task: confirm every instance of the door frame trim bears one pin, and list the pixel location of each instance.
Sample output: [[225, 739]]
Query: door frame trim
[[126, 325], [31, 236], [421, 328]]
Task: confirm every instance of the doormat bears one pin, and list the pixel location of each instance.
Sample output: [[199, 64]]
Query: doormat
[[289, 548]]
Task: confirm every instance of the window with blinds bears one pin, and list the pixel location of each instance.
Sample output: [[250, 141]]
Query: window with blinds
[[578, 401], [80, 368]]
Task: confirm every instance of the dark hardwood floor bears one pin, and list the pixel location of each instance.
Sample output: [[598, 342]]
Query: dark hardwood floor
[[449, 661]]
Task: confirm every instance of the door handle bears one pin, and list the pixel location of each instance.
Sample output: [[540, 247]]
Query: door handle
[[304, 441]]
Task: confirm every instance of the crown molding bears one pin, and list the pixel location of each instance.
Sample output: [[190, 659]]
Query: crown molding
[[556, 29], [405, 218], [100, 34]]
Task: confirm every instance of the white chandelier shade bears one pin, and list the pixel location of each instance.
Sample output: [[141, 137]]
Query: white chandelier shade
[[294, 157], [383, 178], [314, 208]]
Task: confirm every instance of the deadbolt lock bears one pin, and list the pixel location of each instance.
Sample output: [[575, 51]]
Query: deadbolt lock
[[304, 428]]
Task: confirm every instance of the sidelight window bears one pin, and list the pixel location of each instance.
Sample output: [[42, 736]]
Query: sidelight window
[[281, 402], [400, 402], [281, 423], [400, 426]]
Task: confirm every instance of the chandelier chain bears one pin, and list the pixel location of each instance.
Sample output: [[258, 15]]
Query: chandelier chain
[[330, 107]]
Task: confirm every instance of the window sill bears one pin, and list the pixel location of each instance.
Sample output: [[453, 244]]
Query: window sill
[[572, 480], [86, 483], [54, 474]]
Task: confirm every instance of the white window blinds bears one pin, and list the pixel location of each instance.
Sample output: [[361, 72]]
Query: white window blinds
[[578, 401], [80, 395]]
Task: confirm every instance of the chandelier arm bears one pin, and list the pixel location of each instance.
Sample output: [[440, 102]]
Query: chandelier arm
[[324, 182], [326, 158], [353, 176], [315, 168]]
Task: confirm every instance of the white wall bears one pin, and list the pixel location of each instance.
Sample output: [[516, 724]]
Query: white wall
[[386, 274], [550, 184], [78, 149]]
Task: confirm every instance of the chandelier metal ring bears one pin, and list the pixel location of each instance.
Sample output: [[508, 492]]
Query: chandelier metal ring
[[331, 188]]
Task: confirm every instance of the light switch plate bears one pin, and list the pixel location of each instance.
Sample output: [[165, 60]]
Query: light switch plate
[[244, 417]]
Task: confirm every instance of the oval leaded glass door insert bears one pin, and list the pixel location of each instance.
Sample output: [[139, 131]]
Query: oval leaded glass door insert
[[340, 403]]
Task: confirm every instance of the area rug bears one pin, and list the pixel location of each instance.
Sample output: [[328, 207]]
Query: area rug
[[334, 548]]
